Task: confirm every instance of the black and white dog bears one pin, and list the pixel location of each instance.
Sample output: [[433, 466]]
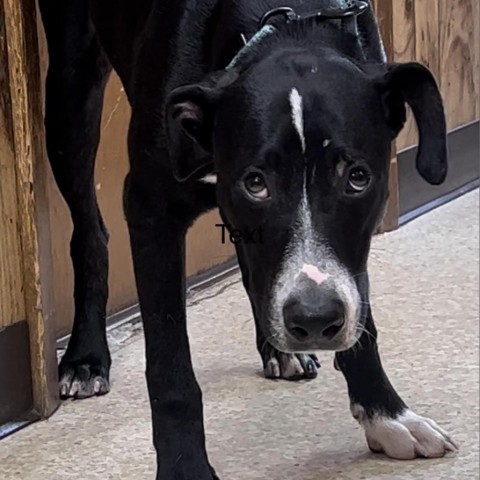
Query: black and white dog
[[282, 114]]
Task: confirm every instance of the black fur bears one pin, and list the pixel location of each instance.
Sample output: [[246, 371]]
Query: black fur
[[191, 117]]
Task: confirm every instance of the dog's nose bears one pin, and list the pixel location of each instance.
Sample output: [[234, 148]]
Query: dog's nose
[[321, 316]]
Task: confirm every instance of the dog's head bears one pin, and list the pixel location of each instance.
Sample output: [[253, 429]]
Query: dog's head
[[301, 146]]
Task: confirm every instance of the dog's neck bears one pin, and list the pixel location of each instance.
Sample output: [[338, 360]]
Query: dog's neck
[[305, 36], [331, 23]]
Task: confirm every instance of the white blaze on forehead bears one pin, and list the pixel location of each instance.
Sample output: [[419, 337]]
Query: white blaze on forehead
[[296, 102], [313, 273]]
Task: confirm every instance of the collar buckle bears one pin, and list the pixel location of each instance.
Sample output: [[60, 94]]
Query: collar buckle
[[289, 15]]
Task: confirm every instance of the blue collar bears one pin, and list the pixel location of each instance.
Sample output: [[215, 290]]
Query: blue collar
[[264, 32], [288, 15]]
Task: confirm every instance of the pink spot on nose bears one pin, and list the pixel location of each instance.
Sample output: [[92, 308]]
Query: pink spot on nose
[[313, 273]]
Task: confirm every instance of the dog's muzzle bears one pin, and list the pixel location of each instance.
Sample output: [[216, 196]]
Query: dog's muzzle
[[316, 311]]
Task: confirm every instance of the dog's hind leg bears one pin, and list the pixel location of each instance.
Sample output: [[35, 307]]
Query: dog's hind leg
[[77, 75]]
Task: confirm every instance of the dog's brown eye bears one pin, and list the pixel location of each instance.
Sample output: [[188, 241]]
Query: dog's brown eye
[[358, 180], [256, 186]]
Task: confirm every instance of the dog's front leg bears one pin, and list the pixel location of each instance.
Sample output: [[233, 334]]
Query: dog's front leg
[[390, 426], [158, 253]]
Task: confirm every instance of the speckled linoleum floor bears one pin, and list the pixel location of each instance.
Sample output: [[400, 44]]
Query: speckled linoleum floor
[[425, 282]]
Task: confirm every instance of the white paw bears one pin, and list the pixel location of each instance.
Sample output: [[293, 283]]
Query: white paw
[[406, 437]]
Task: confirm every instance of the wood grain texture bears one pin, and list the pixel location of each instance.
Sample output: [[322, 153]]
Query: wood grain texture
[[20, 28], [392, 214], [476, 54], [403, 30], [384, 14], [459, 49], [403, 26], [443, 35], [12, 301], [427, 35]]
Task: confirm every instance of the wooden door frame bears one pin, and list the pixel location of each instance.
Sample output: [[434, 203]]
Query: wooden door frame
[[24, 94]]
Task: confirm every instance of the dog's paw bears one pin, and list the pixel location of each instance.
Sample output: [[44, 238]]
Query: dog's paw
[[406, 437], [288, 366], [82, 380]]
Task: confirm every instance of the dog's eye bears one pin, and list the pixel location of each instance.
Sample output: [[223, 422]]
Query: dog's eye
[[358, 180], [256, 186]]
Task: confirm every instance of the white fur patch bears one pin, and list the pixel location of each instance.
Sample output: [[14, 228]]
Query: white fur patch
[[406, 437], [342, 165], [296, 102], [211, 179]]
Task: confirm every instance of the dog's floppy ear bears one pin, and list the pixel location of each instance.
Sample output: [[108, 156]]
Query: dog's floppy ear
[[415, 85], [190, 117]]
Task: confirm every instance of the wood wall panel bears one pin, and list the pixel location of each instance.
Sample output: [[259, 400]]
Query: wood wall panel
[[404, 30], [459, 47], [27, 136], [427, 35], [204, 245], [12, 301], [445, 36], [385, 15], [110, 170], [404, 45]]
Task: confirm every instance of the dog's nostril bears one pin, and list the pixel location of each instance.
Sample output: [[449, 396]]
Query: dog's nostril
[[318, 317], [332, 331], [299, 332]]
